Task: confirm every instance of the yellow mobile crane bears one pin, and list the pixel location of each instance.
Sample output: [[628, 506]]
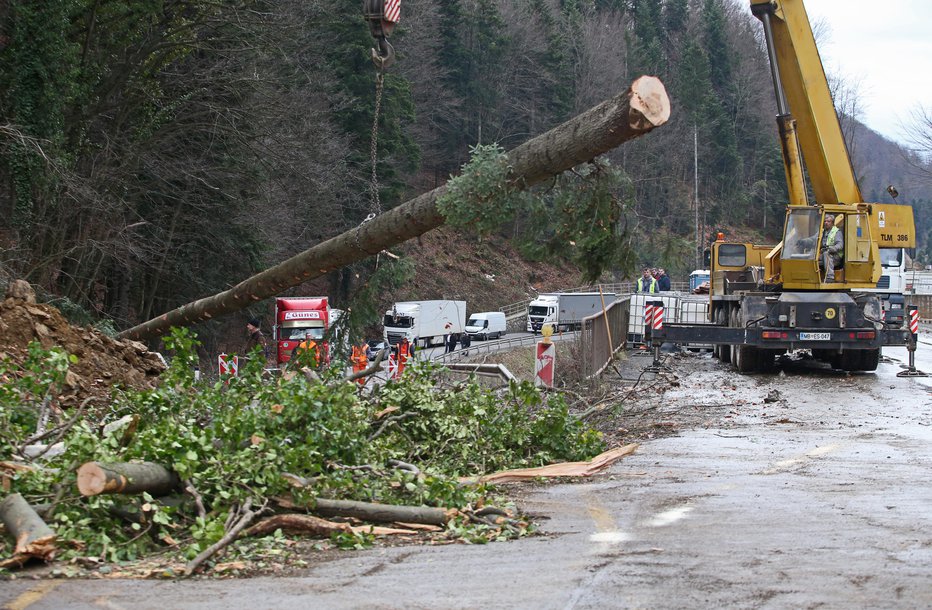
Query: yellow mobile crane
[[767, 300]]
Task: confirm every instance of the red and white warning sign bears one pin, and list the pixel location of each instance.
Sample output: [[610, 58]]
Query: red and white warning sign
[[546, 360], [228, 365]]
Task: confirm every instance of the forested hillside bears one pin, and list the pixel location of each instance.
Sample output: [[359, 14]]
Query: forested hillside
[[155, 153]]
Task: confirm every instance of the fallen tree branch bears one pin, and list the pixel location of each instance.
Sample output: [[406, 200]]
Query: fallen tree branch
[[298, 524], [372, 511], [191, 490], [245, 518], [34, 539], [394, 419]]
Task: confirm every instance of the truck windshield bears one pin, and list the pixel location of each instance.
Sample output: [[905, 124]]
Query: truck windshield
[[399, 321], [480, 322], [891, 257], [537, 310], [801, 235], [299, 334]]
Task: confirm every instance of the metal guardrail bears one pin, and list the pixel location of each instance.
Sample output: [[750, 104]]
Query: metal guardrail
[[519, 309], [491, 347]]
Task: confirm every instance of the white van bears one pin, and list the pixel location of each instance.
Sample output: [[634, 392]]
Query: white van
[[486, 325]]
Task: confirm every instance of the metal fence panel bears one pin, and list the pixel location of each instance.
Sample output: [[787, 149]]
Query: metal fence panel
[[602, 335]]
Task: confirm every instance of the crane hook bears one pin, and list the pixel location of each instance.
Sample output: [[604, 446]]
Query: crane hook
[[384, 56], [382, 17]]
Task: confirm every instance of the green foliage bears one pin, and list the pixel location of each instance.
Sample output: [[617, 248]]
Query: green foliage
[[26, 388], [233, 441], [470, 429], [579, 217], [480, 197]]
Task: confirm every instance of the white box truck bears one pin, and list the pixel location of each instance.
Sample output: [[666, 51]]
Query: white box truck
[[424, 322], [486, 325], [565, 310]]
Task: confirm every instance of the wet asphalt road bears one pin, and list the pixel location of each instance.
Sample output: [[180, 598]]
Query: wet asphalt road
[[822, 499]]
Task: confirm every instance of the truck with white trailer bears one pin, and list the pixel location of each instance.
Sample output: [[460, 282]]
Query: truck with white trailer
[[565, 310], [424, 323]]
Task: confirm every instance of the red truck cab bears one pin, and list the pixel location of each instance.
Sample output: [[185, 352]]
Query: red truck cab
[[299, 318]]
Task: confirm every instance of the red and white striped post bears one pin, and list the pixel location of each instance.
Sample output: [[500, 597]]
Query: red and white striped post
[[912, 318], [228, 366], [648, 321], [546, 359], [657, 325]]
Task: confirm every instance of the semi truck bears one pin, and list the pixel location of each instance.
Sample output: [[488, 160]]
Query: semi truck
[[565, 310], [424, 323], [767, 300], [300, 318], [893, 285]]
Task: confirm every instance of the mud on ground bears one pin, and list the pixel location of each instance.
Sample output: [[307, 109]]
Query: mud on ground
[[104, 363]]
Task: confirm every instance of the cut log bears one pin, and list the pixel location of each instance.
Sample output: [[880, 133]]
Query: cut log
[[628, 115], [96, 478], [372, 511], [34, 539], [382, 513]]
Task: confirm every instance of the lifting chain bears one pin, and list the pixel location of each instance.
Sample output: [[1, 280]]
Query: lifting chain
[[375, 208], [374, 143], [381, 16]]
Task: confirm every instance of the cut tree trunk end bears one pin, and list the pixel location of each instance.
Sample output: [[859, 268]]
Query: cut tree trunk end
[[626, 116], [34, 539], [96, 478]]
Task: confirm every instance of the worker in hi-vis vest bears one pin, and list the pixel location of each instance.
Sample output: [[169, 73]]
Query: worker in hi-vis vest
[[646, 283]]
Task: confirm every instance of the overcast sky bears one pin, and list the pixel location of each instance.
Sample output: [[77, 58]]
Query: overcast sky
[[888, 46]]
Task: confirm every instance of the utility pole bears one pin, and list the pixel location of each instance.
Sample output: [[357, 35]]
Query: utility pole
[[698, 252]]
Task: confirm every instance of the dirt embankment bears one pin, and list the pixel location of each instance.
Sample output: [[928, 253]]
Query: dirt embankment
[[103, 363]]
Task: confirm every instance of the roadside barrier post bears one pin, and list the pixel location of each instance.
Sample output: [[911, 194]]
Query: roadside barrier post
[[228, 366], [648, 322], [546, 359], [913, 320], [657, 325]]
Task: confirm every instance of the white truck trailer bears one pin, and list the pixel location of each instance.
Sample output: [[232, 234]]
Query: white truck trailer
[[565, 310], [424, 323]]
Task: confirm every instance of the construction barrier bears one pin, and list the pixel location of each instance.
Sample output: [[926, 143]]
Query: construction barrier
[[679, 308]]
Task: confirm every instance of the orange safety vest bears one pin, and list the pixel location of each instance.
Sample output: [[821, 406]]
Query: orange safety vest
[[360, 357]]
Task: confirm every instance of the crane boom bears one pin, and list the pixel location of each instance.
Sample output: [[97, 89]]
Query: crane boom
[[798, 72]]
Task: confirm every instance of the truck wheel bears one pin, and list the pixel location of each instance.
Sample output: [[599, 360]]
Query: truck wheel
[[870, 358], [722, 352], [747, 358], [849, 360]]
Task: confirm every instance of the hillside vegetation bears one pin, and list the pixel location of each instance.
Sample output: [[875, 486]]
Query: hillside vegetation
[[153, 154]]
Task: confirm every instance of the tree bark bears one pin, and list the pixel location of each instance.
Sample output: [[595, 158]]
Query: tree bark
[[126, 478], [34, 539], [381, 513], [298, 524], [628, 115]]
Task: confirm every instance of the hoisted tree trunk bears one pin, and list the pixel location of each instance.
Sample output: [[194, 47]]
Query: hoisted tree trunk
[[34, 539], [126, 478], [628, 115]]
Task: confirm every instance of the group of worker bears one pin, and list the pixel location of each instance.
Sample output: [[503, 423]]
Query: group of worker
[[652, 280]]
